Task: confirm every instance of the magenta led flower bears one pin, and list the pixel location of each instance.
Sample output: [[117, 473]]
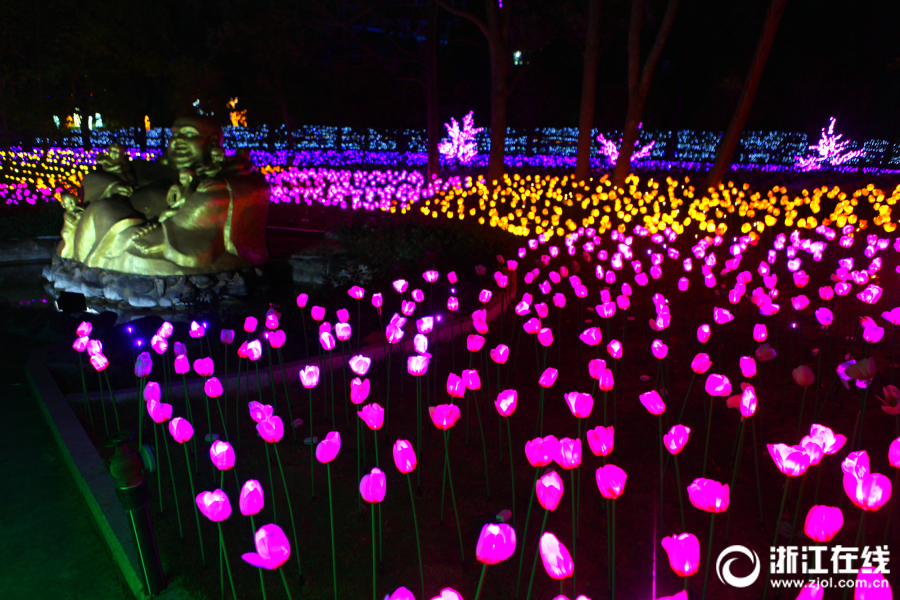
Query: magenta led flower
[[328, 449], [677, 437], [272, 317], [684, 553], [579, 404], [99, 361], [541, 451], [160, 412], [793, 461], [181, 430], [759, 332], [417, 365], [703, 333], [568, 455], [470, 379], [496, 543], [869, 491], [500, 354], [444, 416], [611, 481], [277, 338], [474, 343], [143, 365], [251, 500], [357, 292], [372, 415], [823, 523], [555, 557], [81, 344], [404, 456], [748, 366], [222, 455], [614, 348], [260, 412], [302, 299], [506, 402], [204, 367], [455, 386], [377, 301], [197, 330], [601, 440], [548, 377], [84, 329], [214, 505], [213, 387], [271, 430], [359, 390], [272, 548], [718, 385], [309, 376], [830, 442], [373, 486], [549, 490], [708, 495], [658, 349], [653, 402], [591, 336]]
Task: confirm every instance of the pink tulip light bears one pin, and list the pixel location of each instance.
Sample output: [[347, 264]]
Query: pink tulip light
[[309, 376], [444, 416], [506, 402], [677, 437], [197, 330], [372, 415], [611, 481], [359, 390], [748, 366], [549, 490], [659, 349], [143, 365], [212, 387], [703, 333], [181, 430], [474, 343], [160, 412], [495, 544], [614, 348], [455, 386], [556, 558], [540, 451], [548, 377], [759, 332], [271, 430], [568, 455], [579, 404], [684, 553], [357, 292], [653, 402], [417, 365], [500, 354], [823, 523], [327, 450], [251, 500], [601, 440], [793, 461], [708, 495], [222, 455], [84, 329], [404, 456], [214, 505], [272, 548], [373, 486], [470, 379], [591, 336], [718, 385]]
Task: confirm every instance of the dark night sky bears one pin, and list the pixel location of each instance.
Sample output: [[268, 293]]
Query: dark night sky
[[830, 57]]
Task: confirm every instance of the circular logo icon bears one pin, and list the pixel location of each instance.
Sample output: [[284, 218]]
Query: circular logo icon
[[723, 566]]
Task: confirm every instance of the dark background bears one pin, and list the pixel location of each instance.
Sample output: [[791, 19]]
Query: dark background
[[331, 62]]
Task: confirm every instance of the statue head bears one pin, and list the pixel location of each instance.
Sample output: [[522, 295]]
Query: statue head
[[193, 139]]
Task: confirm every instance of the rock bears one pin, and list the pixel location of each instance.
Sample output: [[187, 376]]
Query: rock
[[141, 285], [26, 245], [92, 276], [111, 293], [160, 288], [142, 301], [165, 302]]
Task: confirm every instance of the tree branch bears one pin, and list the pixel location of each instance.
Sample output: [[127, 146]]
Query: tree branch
[[461, 13]]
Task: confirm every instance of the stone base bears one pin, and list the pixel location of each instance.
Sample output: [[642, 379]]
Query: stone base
[[109, 290]]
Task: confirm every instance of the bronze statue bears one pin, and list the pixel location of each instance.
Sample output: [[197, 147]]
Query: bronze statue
[[194, 211]]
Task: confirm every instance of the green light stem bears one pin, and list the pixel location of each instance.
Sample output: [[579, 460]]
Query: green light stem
[[331, 516], [290, 510], [412, 501], [194, 504]]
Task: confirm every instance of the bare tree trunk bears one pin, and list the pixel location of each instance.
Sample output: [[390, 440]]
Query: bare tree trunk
[[748, 93], [498, 40], [639, 86], [496, 31], [431, 86], [588, 92]]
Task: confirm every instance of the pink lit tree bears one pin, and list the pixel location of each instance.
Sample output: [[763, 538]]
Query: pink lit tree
[[830, 150], [461, 145], [610, 149]]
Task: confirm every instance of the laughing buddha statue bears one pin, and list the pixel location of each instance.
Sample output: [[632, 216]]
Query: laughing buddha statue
[[193, 211]]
